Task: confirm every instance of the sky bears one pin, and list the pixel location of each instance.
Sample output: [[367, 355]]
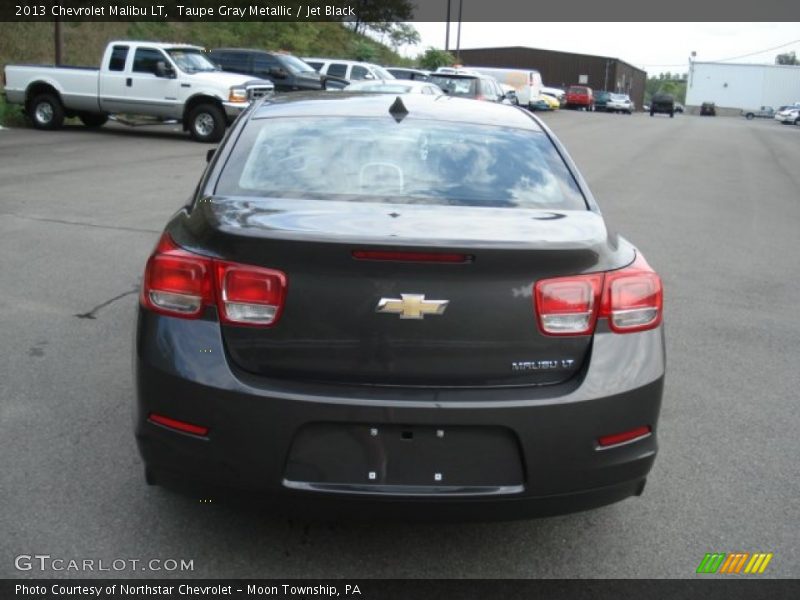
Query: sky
[[655, 47]]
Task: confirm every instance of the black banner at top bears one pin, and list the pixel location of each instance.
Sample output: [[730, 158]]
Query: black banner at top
[[389, 10]]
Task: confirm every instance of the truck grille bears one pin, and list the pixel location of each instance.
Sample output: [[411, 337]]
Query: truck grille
[[258, 92]]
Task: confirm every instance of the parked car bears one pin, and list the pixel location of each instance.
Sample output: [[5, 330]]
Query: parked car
[[161, 82], [679, 108], [708, 109], [527, 83], [557, 93], [394, 232], [551, 101], [600, 100], [394, 86], [663, 104], [468, 84], [539, 104], [789, 116], [510, 94], [352, 70], [287, 73], [619, 103], [406, 73], [765, 112], [580, 97]]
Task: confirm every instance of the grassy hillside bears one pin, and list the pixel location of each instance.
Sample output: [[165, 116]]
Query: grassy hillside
[[84, 42]]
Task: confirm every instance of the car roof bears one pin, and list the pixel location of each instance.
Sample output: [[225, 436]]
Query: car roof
[[253, 50], [161, 45], [406, 70], [345, 61], [418, 106]]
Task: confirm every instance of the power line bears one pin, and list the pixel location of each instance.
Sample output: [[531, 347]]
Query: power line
[[732, 57]]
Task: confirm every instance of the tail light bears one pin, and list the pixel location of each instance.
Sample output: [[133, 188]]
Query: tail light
[[179, 283], [568, 305], [176, 282], [250, 295], [630, 298]]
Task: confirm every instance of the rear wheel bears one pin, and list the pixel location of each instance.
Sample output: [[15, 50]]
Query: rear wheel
[[206, 123], [749, 116], [46, 112], [652, 113], [672, 114], [93, 119]]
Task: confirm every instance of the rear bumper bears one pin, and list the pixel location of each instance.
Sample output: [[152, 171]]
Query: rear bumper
[[181, 371]]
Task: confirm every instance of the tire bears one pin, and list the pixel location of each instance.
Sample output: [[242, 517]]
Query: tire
[[672, 115], [206, 123], [749, 116], [93, 119], [652, 113], [46, 112]]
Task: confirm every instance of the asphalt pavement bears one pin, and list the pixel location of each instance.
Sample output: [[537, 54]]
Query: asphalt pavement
[[714, 204]]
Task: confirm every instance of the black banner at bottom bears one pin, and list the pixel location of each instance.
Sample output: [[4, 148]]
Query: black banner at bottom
[[406, 589]]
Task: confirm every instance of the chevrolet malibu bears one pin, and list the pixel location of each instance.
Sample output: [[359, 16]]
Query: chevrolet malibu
[[381, 304]]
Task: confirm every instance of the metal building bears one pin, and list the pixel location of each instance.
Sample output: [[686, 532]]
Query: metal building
[[562, 69], [740, 85]]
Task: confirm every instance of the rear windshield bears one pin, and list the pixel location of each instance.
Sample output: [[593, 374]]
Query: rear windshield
[[578, 90], [456, 86], [412, 162]]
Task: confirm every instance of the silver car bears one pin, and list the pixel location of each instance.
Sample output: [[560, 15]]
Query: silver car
[[620, 103]]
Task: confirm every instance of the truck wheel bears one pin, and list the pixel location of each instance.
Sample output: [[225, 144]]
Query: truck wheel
[[672, 114], [93, 119], [652, 113], [749, 116], [46, 112], [206, 123]]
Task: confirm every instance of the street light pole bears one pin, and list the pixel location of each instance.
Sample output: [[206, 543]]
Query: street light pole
[[458, 39], [447, 29]]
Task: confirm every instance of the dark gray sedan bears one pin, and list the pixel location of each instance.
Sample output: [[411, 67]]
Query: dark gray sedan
[[398, 305]]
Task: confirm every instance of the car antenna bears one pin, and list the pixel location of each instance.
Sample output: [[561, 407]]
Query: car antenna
[[398, 110]]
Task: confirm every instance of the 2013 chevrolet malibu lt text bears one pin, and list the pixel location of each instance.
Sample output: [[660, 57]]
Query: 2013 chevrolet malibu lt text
[[398, 305]]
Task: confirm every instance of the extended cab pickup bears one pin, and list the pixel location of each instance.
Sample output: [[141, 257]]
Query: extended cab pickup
[[159, 81]]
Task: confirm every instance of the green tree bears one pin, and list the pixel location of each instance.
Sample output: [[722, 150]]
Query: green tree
[[434, 58], [373, 14], [787, 58], [403, 34], [364, 51]]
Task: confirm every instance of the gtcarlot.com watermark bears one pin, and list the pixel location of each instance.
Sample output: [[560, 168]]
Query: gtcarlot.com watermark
[[48, 563]]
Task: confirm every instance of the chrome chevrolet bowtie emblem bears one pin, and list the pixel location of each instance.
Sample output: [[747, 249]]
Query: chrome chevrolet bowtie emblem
[[411, 306]]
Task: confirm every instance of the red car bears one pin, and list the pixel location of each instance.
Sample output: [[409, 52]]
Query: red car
[[580, 96]]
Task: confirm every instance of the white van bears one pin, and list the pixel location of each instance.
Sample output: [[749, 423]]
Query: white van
[[528, 83]]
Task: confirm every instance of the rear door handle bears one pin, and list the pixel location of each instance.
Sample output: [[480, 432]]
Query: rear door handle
[[129, 81]]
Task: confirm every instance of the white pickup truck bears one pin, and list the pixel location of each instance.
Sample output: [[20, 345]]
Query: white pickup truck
[[158, 81]]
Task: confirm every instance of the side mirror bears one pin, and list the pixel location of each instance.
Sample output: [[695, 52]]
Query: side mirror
[[210, 154], [162, 70], [277, 72]]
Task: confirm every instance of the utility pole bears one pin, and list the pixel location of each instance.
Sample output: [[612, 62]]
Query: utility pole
[[59, 41], [458, 39], [447, 30]]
